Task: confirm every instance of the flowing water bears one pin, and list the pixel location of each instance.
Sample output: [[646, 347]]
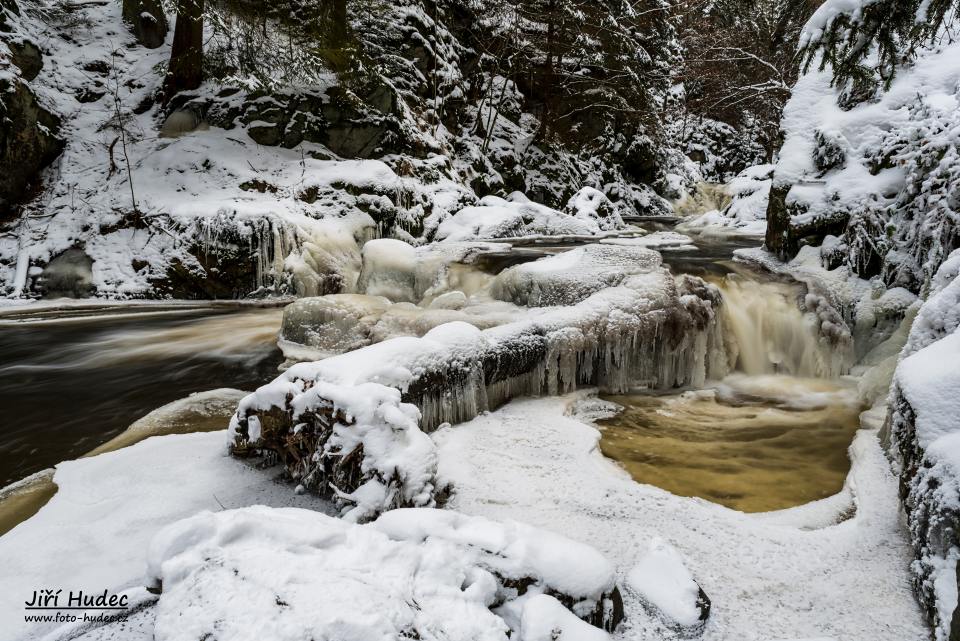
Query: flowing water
[[770, 435], [71, 379], [752, 443]]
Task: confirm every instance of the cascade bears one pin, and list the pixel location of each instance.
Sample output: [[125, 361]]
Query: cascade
[[765, 331]]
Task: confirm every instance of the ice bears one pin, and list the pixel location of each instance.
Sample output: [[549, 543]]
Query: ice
[[389, 270], [649, 330], [330, 324], [260, 573]]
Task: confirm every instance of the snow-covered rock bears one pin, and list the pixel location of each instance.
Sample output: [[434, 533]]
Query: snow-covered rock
[[925, 434], [572, 276], [665, 585], [516, 216], [879, 173], [651, 329], [289, 574]]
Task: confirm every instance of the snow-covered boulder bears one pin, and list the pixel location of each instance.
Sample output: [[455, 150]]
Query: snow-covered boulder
[[570, 277], [925, 435], [591, 204], [494, 217], [666, 587], [290, 574], [358, 444]]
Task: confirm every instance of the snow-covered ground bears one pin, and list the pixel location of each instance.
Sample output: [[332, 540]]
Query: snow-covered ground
[[769, 577], [93, 534]]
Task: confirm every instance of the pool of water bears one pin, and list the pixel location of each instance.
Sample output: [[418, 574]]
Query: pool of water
[[751, 443]]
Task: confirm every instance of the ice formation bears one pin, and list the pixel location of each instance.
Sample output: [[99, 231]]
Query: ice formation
[[358, 444], [259, 573], [651, 329]]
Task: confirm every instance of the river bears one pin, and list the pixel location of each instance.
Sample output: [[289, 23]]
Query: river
[[772, 434]]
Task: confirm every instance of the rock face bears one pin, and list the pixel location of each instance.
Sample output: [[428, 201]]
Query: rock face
[[349, 124], [28, 142]]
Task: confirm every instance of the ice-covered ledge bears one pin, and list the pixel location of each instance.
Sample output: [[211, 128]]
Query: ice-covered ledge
[[649, 329]]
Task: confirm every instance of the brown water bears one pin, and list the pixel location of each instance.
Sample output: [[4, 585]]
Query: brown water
[[74, 378], [753, 443]]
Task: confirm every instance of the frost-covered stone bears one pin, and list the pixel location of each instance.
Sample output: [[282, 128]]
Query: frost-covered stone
[[572, 276], [666, 587], [290, 574]]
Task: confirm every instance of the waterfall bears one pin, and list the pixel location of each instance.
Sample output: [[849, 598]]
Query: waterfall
[[767, 331]]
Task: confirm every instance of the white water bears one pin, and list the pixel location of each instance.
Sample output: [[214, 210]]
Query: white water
[[765, 332]]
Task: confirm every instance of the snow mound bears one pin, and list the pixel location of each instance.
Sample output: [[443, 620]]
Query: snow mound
[[261, 573], [359, 444], [570, 277], [666, 586], [494, 217]]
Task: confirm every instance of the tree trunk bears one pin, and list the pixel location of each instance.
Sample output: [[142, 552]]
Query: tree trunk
[[147, 20], [186, 56]]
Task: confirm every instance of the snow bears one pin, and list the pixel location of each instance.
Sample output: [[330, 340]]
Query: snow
[[662, 580], [398, 465], [929, 380], [572, 276], [496, 217], [825, 15], [774, 576], [93, 534], [259, 573], [886, 164]]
